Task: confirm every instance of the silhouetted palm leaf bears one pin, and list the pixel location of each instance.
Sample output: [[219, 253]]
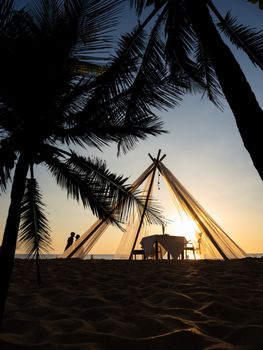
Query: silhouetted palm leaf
[[34, 228], [88, 180], [6, 10], [7, 157], [180, 43], [141, 4], [126, 94], [212, 87], [114, 190], [244, 37]]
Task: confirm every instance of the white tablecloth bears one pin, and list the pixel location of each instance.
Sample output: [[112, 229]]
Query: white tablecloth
[[171, 244]]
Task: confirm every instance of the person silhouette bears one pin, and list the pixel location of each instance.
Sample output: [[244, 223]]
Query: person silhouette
[[70, 240], [77, 237]]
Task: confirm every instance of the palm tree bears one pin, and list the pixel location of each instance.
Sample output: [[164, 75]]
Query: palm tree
[[194, 47], [63, 89]]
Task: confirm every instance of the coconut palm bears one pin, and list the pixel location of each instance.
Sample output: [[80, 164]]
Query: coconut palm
[[195, 47], [63, 89]]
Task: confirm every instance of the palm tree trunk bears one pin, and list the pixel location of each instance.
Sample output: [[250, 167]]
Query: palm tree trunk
[[241, 99], [8, 248]]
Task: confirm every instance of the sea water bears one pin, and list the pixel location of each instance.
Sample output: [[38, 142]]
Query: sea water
[[105, 256], [56, 256]]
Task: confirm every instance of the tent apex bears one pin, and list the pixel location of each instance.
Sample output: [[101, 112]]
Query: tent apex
[[158, 158]]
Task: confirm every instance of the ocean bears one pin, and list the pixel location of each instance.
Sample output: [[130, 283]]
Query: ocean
[[57, 256], [106, 256]]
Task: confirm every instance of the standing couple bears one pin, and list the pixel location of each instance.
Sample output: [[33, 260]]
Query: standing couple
[[71, 239]]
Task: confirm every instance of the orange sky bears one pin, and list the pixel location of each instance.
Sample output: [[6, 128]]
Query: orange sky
[[204, 151]]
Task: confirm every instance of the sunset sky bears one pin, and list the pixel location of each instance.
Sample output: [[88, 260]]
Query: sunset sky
[[203, 150]]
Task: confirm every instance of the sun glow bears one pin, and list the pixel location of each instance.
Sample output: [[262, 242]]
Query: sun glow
[[183, 225]]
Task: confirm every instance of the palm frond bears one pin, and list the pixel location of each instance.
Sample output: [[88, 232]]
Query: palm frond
[[34, 228], [211, 85], [105, 193], [139, 5], [99, 100], [135, 83], [98, 24], [244, 37], [151, 87], [101, 106], [81, 186], [181, 40], [130, 134], [5, 176], [7, 162], [123, 65], [123, 197], [6, 8], [46, 12], [98, 135]]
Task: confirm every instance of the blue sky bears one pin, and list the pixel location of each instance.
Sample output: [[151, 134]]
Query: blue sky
[[204, 150]]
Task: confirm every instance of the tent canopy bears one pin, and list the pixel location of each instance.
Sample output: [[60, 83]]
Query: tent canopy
[[210, 241]]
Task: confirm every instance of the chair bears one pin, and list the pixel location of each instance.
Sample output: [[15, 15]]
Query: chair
[[138, 252], [189, 247]]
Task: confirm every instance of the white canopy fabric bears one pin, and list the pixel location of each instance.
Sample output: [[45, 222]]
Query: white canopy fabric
[[211, 241], [171, 244]]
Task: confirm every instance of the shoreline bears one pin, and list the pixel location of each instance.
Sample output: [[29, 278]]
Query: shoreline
[[118, 304]]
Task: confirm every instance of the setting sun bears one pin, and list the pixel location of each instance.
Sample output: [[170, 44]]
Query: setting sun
[[182, 225]]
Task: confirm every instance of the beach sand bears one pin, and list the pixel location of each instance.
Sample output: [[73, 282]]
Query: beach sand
[[110, 304]]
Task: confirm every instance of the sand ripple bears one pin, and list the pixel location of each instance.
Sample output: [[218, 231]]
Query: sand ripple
[[101, 304]]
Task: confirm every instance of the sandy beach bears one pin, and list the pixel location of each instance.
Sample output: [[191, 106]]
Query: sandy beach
[[108, 304]]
